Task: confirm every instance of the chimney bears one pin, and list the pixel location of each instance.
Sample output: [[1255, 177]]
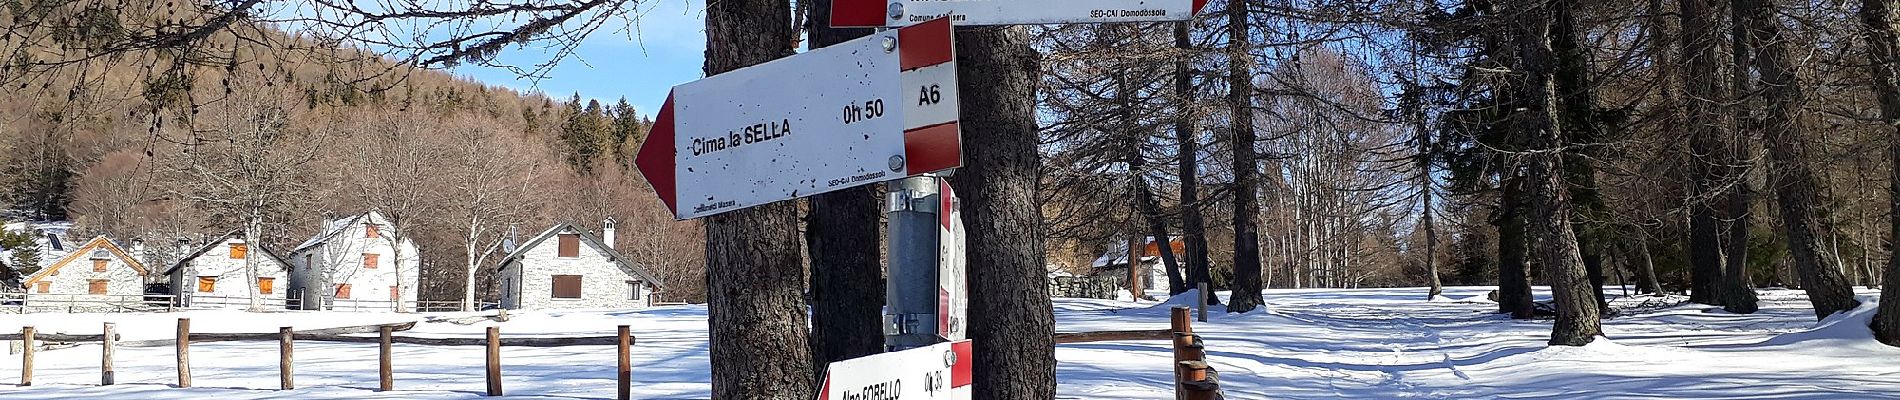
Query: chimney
[[607, 231], [138, 251], [514, 239], [184, 247]]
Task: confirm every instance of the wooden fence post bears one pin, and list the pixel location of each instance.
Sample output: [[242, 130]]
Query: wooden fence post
[[105, 354], [184, 352], [384, 375], [626, 364], [494, 361], [26, 359], [1203, 301], [284, 349]]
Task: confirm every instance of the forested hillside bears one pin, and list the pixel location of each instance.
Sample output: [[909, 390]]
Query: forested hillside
[[284, 132]]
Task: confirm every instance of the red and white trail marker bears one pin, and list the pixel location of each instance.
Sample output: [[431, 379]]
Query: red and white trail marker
[[875, 109], [937, 372], [894, 13]]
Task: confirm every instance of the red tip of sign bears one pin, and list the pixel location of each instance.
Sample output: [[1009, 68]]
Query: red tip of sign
[[656, 156], [1198, 4], [925, 44], [960, 374], [857, 13], [933, 148], [947, 203]]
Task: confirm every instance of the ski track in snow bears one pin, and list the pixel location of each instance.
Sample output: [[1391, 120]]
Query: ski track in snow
[[1306, 344]]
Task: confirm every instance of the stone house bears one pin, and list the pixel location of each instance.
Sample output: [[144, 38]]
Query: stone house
[[213, 275], [567, 267], [355, 263], [97, 272]]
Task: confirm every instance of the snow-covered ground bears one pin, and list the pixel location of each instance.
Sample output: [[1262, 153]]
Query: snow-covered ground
[[1320, 344]]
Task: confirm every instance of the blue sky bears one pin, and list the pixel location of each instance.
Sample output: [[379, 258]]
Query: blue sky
[[664, 48]]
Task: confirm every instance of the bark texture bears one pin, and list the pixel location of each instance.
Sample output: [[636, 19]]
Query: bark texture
[[1514, 275], [1550, 209], [1798, 186], [1879, 17], [1577, 113], [1010, 315], [1246, 290], [755, 283], [1193, 227], [842, 237], [1705, 126]]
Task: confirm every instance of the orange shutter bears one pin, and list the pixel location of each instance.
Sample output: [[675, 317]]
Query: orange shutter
[[96, 286], [238, 250], [98, 265], [343, 291], [369, 260], [369, 231], [570, 245], [394, 294], [266, 285], [207, 284], [43, 287]]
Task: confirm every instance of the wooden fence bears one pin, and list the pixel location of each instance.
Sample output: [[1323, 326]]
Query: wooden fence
[[21, 303], [286, 337]]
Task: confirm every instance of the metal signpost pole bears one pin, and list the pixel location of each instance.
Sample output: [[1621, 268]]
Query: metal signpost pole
[[910, 293]]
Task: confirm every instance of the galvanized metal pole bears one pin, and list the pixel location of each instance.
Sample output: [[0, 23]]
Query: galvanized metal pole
[[910, 292]]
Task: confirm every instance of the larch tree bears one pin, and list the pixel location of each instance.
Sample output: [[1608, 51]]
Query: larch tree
[[1187, 161], [1549, 200], [1010, 310], [1798, 187], [842, 238], [755, 277], [1247, 267], [1881, 19]]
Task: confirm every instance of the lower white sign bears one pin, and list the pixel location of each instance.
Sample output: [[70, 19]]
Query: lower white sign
[[938, 372]]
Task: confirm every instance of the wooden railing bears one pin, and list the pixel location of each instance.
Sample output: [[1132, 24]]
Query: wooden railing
[[19, 303]]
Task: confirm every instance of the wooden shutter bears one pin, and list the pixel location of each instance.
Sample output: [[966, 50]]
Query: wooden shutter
[[207, 284], [98, 265], [43, 287], [266, 285], [369, 231], [370, 260], [395, 293], [343, 290], [567, 286], [570, 245], [238, 250], [96, 286]]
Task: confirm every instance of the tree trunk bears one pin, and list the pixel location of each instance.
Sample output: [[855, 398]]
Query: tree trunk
[[253, 235], [1193, 227], [842, 236], [1138, 177], [1577, 110], [1883, 51], [1798, 186], [1514, 278], [1550, 209], [755, 285], [1704, 123], [1009, 296], [1246, 285], [1649, 281]]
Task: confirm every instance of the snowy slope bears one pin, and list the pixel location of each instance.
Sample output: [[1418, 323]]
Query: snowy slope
[[1318, 344]]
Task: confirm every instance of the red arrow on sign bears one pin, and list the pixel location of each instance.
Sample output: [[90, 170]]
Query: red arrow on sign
[[655, 159]]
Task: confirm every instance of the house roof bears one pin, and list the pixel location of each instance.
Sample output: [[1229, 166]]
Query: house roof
[[97, 243], [591, 240], [337, 227], [1117, 253], [215, 243]]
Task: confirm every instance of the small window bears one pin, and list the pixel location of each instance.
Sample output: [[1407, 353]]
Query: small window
[[567, 286], [266, 285], [101, 254], [207, 284], [633, 290], [370, 260], [343, 291], [96, 286], [395, 293], [43, 287], [369, 231], [98, 265], [309, 260], [570, 246], [238, 250]]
